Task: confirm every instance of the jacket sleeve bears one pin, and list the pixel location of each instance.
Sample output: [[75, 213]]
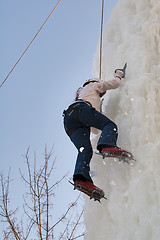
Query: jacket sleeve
[[103, 86]]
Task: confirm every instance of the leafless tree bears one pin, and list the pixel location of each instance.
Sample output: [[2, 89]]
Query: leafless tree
[[38, 203]]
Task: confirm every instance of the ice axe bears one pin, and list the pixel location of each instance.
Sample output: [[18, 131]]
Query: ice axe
[[123, 70]]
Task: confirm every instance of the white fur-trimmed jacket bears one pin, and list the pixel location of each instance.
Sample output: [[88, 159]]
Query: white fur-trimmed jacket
[[93, 91]]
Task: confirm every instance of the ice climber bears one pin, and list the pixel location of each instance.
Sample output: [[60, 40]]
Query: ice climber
[[83, 116]]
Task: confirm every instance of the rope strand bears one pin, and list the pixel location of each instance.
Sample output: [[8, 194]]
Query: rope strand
[[30, 44], [101, 37]]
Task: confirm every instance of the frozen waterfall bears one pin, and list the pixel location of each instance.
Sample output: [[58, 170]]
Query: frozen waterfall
[[132, 211]]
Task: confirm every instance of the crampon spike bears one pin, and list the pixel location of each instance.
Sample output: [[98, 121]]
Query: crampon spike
[[93, 194]]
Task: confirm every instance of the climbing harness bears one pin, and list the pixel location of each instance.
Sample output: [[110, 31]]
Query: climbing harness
[[73, 112], [30, 44]]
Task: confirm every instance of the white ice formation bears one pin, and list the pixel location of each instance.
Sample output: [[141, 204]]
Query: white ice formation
[[132, 211]]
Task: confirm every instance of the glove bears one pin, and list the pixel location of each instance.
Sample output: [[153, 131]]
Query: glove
[[123, 70]]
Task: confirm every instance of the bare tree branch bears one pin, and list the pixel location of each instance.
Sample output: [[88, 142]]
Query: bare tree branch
[[38, 201], [76, 225], [9, 216]]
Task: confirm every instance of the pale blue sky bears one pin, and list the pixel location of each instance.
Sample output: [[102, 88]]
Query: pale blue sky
[[44, 82]]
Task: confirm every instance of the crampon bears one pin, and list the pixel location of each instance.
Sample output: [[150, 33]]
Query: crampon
[[89, 189], [121, 154]]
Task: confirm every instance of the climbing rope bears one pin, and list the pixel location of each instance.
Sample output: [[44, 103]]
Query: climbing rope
[[100, 54], [101, 38], [30, 44]]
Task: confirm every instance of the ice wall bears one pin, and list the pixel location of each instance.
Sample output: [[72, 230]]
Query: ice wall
[[132, 211]]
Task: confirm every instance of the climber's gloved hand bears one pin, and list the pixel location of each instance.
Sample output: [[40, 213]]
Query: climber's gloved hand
[[121, 72]]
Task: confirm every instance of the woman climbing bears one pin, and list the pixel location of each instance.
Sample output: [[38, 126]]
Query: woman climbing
[[82, 116]]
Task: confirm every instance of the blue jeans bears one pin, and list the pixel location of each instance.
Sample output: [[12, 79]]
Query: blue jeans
[[78, 119]]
